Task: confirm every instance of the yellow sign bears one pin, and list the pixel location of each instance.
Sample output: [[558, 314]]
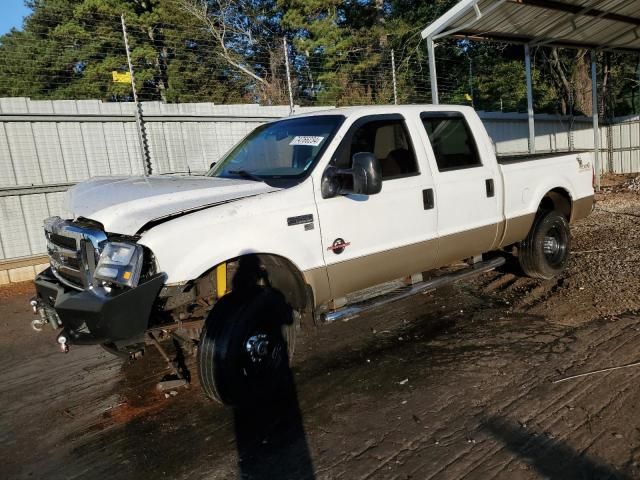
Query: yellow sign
[[121, 77], [466, 96]]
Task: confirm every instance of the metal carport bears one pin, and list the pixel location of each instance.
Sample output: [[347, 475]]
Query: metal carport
[[584, 24]]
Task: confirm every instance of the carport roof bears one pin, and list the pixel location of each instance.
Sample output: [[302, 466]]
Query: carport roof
[[599, 24]]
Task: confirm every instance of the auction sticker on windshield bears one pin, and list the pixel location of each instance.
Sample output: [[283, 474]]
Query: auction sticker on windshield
[[306, 140]]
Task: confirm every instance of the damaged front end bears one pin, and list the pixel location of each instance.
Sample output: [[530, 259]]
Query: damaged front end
[[98, 290]]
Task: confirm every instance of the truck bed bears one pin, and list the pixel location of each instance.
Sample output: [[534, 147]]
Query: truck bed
[[527, 157]]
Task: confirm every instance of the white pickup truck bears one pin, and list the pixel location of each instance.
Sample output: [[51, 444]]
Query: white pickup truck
[[301, 213]]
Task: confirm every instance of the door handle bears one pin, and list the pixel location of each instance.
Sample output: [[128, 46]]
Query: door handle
[[427, 199], [490, 187]]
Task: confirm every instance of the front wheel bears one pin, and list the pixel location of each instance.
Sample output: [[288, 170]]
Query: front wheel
[[545, 251], [245, 346]]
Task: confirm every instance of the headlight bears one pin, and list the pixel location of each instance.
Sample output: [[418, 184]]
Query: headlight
[[120, 263]]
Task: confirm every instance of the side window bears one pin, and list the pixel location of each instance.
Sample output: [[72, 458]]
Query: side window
[[452, 141], [388, 140]]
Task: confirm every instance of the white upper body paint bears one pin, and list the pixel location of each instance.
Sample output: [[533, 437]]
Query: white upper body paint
[[193, 223]]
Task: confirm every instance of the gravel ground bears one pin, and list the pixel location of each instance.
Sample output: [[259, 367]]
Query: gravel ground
[[456, 384]]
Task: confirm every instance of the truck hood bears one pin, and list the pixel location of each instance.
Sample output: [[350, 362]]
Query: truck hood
[[125, 204]]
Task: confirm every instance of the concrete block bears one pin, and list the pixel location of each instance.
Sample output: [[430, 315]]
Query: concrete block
[[22, 274], [41, 267]]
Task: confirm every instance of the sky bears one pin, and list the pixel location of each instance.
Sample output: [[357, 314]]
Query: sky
[[11, 14]]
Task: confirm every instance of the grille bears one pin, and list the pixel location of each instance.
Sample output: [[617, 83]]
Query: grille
[[73, 251], [65, 242]]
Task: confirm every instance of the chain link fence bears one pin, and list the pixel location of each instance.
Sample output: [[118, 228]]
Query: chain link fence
[[206, 54]]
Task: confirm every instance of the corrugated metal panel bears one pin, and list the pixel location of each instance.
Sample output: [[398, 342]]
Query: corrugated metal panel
[[14, 228], [23, 153], [120, 158], [625, 148], [7, 171], [510, 132], [520, 21]]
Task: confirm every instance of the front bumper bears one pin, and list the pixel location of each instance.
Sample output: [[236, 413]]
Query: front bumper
[[90, 318]]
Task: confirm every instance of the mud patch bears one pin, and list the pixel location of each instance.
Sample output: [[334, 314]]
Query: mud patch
[[447, 385]]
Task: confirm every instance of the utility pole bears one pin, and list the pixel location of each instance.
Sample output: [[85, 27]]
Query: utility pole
[[286, 61], [142, 132]]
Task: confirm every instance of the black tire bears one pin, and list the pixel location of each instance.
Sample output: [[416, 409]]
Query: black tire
[[545, 251], [230, 371]]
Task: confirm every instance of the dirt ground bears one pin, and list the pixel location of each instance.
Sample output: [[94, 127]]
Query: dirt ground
[[456, 384]]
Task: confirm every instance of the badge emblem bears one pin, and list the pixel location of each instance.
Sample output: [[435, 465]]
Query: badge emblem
[[338, 246]]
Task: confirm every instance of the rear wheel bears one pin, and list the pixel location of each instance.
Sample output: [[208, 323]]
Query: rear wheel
[[545, 251], [245, 346]]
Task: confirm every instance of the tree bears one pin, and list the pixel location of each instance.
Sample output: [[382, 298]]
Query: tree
[[69, 48], [248, 39]]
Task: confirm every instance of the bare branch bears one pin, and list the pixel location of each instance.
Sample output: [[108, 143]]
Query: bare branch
[[220, 26]]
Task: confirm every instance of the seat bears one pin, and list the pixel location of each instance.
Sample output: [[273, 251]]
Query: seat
[[398, 162]]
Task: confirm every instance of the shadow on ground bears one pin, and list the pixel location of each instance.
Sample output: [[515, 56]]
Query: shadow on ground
[[271, 440], [553, 459]]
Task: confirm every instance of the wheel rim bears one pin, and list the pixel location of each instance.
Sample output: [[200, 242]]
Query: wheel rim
[[264, 354], [554, 246]]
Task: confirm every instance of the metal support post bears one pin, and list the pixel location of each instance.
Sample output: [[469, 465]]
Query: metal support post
[[433, 76], [286, 61], [142, 132], [393, 76], [596, 126], [532, 127]]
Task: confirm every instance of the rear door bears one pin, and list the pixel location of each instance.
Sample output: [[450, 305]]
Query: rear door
[[468, 186], [368, 240]]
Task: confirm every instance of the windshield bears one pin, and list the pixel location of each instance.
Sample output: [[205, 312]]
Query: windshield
[[282, 149]]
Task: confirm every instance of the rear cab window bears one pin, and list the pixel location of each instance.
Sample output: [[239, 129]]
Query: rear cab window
[[452, 141]]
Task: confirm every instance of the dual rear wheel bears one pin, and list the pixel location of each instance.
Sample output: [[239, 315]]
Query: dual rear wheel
[[545, 251]]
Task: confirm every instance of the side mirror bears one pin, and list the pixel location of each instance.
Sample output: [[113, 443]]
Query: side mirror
[[363, 178], [213, 164]]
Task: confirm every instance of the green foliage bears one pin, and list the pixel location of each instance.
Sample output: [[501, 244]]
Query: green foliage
[[340, 54], [69, 48]]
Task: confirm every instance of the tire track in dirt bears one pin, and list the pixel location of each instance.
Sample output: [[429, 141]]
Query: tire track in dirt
[[547, 416], [540, 444]]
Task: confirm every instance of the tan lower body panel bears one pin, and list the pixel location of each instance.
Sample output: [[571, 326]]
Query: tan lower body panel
[[349, 276], [516, 229], [319, 281], [581, 208], [362, 272], [359, 273], [458, 246]]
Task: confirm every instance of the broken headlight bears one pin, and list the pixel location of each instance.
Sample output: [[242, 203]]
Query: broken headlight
[[120, 263]]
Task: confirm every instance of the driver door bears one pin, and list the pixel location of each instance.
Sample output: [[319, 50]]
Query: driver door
[[371, 239]]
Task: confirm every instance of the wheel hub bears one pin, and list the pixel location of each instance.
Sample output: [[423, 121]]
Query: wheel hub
[[550, 245], [257, 347]]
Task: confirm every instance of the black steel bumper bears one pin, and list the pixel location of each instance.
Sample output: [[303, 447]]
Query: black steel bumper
[[89, 318]]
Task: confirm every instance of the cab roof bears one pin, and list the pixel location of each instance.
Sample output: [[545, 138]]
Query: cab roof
[[364, 110]]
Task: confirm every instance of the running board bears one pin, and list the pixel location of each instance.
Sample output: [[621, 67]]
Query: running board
[[356, 309]]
